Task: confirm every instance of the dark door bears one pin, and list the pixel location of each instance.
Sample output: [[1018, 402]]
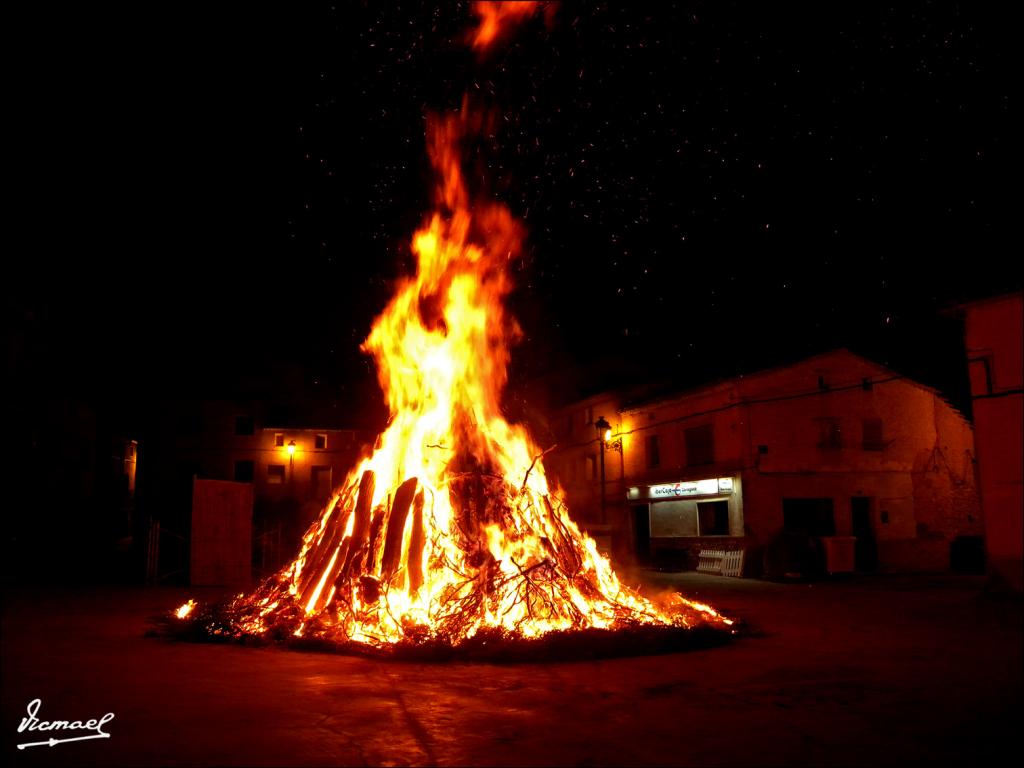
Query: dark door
[[805, 522], [865, 552], [813, 517], [642, 532]]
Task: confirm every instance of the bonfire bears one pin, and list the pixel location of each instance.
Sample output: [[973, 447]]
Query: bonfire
[[450, 529]]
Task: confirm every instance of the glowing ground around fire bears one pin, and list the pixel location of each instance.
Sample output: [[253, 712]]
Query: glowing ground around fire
[[218, 623]]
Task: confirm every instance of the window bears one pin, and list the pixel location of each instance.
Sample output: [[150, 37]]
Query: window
[[244, 425], [713, 518], [275, 474], [830, 437], [873, 435], [979, 371], [700, 445], [279, 439], [653, 452], [320, 441], [592, 467], [244, 471], [588, 415]]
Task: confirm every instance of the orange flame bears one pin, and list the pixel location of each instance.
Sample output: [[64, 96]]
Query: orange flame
[[497, 18]]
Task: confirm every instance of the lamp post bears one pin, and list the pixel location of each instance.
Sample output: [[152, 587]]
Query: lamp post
[[604, 439], [291, 460], [604, 434]]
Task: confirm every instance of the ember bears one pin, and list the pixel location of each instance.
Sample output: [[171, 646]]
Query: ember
[[450, 529]]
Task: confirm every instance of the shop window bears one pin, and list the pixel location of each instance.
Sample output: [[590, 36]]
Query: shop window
[[713, 517], [244, 471], [674, 519], [275, 474], [653, 452], [700, 445], [320, 441], [830, 437], [873, 435]]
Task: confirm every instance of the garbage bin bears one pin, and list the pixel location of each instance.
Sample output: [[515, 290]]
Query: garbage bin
[[839, 553]]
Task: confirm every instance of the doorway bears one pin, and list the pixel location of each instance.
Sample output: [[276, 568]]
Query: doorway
[[865, 550]]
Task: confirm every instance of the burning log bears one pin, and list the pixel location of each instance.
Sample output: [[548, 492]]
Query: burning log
[[361, 526], [417, 542], [334, 528], [369, 563], [318, 586], [369, 589], [396, 528]]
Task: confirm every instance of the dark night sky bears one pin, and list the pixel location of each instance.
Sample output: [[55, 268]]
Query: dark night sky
[[705, 185]]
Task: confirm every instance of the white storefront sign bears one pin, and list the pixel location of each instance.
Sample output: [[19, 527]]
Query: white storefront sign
[[692, 488]]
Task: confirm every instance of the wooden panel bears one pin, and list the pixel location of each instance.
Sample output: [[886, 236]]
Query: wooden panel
[[221, 533]]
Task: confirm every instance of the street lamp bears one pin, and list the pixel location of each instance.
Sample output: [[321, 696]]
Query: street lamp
[[604, 438], [604, 434], [291, 458]]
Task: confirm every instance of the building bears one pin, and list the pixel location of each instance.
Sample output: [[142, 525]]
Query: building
[[993, 330], [291, 466], [832, 446]]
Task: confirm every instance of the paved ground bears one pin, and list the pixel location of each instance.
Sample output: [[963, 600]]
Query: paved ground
[[885, 670]]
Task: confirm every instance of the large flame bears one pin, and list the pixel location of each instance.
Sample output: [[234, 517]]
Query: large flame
[[451, 525], [496, 19]]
